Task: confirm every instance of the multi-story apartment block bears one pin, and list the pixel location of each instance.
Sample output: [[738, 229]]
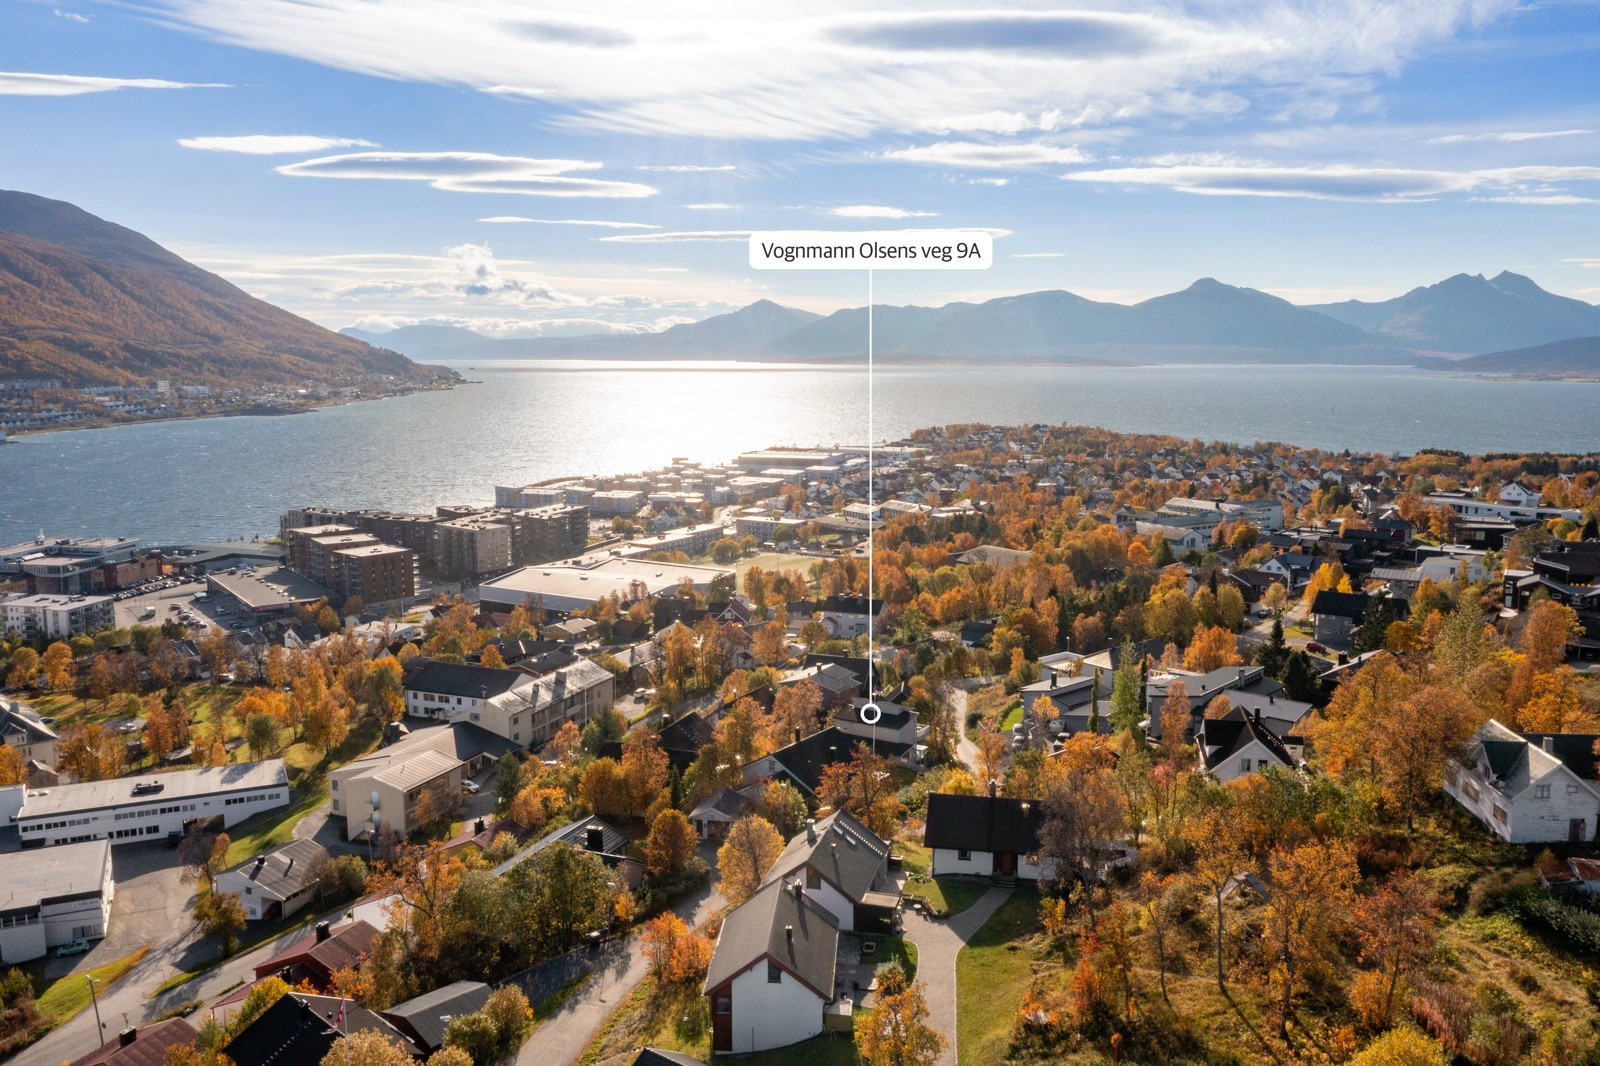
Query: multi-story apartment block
[[55, 617], [374, 572]]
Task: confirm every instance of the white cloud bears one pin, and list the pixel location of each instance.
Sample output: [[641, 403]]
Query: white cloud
[[603, 223], [877, 211], [70, 16], [481, 172], [996, 182], [19, 83], [1554, 199], [273, 144], [738, 70], [988, 155], [712, 207], [689, 168], [681, 236], [1221, 175], [1507, 136]]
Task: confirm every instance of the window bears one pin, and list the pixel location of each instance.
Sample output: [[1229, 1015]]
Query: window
[[724, 1004], [964, 855], [1244, 765], [813, 879], [1541, 792], [774, 973], [1470, 789], [1500, 814]]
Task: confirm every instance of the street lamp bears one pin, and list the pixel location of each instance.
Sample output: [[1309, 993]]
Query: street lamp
[[96, 1001]]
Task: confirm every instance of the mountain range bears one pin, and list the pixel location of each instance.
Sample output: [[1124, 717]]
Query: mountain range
[[94, 303], [1436, 325]]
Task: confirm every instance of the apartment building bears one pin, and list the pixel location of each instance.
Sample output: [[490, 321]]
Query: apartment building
[[472, 546], [55, 617], [374, 572]]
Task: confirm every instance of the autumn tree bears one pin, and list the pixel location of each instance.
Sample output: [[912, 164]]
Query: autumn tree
[[91, 753], [56, 665], [895, 1031], [1402, 1047], [1548, 628], [796, 713], [204, 855], [367, 1047], [865, 786], [1084, 810], [1219, 853], [748, 852], [1175, 719], [645, 768], [491, 658], [220, 915], [605, 790], [24, 667], [1212, 649], [781, 804], [1397, 926], [13, 770], [676, 954], [768, 643], [670, 845], [1313, 889]]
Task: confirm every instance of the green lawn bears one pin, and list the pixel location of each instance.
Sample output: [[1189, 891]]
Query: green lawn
[[895, 949], [945, 896], [268, 829], [70, 994], [1012, 717], [992, 973]]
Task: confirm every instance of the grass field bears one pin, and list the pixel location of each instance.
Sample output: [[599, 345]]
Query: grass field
[[895, 949], [992, 973], [70, 994], [943, 895], [779, 561]]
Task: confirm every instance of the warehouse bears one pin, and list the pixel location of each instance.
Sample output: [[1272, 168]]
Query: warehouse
[[129, 809], [562, 589], [50, 899]]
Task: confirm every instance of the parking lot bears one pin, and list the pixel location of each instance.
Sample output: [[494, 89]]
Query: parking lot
[[173, 599]]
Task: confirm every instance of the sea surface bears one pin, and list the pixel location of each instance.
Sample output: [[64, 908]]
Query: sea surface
[[523, 421]]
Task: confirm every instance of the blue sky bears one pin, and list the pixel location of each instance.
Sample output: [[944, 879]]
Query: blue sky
[[342, 158]]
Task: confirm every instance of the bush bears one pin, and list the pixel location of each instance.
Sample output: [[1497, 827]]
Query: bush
[[1540, 910], [475, 1034], [512, 1017], [1490, 892], [656, 894]]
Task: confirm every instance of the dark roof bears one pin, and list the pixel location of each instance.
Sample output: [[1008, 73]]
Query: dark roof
[[1575, 750], [894, 718], [805, 759], [855, 665], [458, 679], [1351, 605], [297, 1029], [1219, 739], [762, 926], [286, 869], [1153, 647], [687, 733], [983, 823], [727, 802], [656, 1057], [468, 740], [845, 852], [514, 651], [851, 605], [978, 631], [345, 947], [149, 1047], [670, 609], [423, 1017]]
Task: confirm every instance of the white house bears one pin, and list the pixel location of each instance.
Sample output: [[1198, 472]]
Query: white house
[[842, 866], [277, 883], [52, 897], [985, 836], [1529, 788], [847, 616], [773, 971], [1240, 743]]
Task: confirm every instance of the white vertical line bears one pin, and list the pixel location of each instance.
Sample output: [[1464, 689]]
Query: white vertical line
[[871, 506]]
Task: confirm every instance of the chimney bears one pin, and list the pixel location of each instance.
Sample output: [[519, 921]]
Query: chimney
[[322, 931], [991, 788], [788, 933], [797, 734], [1273, 698], [811, 830], [127, 1036], [594, 838], [287, 866], [479, 826], [1549, 744]]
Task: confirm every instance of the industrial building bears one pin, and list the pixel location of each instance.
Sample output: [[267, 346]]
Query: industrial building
[[568, 587], [52, 898]]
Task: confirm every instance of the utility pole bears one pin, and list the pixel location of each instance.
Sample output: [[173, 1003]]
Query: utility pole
[[96, 1001]]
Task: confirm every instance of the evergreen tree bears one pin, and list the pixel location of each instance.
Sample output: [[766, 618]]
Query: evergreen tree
[[1591, 528], [1272, 655], [1127, 710], [1164, 556], [507, 781], [1300, 680], [1379, 616], [1094, 704]]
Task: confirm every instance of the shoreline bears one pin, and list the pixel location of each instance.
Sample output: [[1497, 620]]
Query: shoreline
[[257, 411]]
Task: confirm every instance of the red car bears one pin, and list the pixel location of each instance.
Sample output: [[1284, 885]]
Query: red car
[[1312, 645]]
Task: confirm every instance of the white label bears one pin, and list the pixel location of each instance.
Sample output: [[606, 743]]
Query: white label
[[904, 249]]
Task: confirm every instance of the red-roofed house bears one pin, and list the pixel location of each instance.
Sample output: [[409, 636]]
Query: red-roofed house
[[316, 958], [145, 1046]]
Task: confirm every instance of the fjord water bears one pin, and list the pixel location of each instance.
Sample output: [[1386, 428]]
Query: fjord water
[[224, 478]]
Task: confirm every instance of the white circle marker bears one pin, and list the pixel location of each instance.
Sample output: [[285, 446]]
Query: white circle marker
[[871, 713]]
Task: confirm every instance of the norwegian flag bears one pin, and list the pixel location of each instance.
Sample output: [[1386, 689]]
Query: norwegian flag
[[338, 1021]]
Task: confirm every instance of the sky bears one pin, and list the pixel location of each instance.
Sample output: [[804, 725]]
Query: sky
[[562, 167]]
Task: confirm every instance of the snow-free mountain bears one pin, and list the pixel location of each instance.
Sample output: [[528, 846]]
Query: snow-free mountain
[[1208, 322]]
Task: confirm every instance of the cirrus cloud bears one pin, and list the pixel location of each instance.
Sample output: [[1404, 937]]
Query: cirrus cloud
[[877, 211], [991, 156], [273, 144], [24, 83], [1221, 176], [479, 172], [603, 223]]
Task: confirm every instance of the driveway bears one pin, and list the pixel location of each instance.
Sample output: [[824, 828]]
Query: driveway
[[938, 944], [563, 1037]]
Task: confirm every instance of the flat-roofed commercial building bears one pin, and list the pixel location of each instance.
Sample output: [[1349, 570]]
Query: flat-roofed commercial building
[[569, 587], [68, 564], [789, 459], [55, 617], [265, 594], [617, 501], [126, 809], [51, 898]]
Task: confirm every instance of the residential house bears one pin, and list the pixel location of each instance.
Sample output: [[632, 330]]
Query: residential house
[[1529, 788], [378, 792], [142, 1045], [424, 1018], [985, 836], [803, 762], [594, 835], [848, 616], [277, 883], [1239, 743], [1335, 616], [773, 971], [844, 867], [22, 727], [895, 723], [713, 815], [303, 1028], [316, 958]]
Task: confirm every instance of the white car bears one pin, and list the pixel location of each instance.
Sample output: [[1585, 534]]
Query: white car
[[469, 785]]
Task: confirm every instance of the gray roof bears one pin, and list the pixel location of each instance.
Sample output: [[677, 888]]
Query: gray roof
[[180, 784], [423, 1017], [650, 1056], [284, 870], [19, 716], [782, 924], [28, 878], [846, 853]]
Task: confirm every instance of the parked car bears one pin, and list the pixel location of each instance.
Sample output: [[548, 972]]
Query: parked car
[[1313, 646], [469, 785], [72, 947]]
